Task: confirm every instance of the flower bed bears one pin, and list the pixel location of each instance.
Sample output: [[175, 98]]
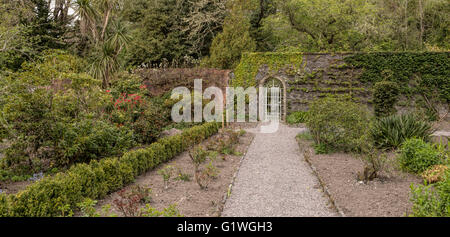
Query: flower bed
[[59, 194]]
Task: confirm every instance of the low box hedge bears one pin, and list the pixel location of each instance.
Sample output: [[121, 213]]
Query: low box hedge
[[58, 195]]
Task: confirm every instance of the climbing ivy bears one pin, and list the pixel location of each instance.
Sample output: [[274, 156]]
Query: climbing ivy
[[415, 72], [385, 95], [250, 63]]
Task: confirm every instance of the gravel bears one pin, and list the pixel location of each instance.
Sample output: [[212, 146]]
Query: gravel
[[275, 180]]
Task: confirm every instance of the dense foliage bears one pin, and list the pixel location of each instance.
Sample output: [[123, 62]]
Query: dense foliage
[[59, 194], [297, 117], [415, 73], [416, 155], [53, 114], [116, 34], [385, 95], [338, 123], [432, 200], [227, 46]]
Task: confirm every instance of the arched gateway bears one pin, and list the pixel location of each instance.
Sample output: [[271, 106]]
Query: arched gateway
[[274, 101]]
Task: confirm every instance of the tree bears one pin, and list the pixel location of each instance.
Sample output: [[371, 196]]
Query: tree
[[261, 9], [202, 23], [157, 32], [328, 25], [87, 15], [108, 34], [28, 27], [227, 46]]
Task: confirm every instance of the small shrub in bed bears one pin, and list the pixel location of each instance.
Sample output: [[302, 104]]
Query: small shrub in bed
[[434, 174], [432, 200], [375, 162], [129, 201], [166, 173], [338, 123], [203, 176], [296, 117], [392, 131], [416, 155]]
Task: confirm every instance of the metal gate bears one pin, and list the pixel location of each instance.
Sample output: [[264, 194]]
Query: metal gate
[[273, 103]]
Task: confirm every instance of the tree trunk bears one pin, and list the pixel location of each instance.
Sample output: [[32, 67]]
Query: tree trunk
[[421, 24], [105, 23], [406, 25]]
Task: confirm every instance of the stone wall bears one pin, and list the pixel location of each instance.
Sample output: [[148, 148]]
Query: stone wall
[[317, 76], [307, 76]]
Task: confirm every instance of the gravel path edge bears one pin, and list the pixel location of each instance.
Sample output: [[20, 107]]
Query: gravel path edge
[[233, 179], [323, 185]]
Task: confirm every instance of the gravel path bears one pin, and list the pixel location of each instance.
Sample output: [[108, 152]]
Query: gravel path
[[274, 180]]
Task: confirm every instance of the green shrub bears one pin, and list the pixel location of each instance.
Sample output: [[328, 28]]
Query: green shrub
[[59, 195], [296, 117], [385, 96], [416, 155], [91, 139], [52, 114], [148, 126], [338, 123], [392, 131], [321, 148], [3, 205], [127, 83], [432, 203]]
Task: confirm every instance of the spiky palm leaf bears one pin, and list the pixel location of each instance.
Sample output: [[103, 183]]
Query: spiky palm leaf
[[105, 64], [392, 131], [87, 15]]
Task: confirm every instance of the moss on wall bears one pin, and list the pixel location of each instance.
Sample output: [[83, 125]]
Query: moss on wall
[[250, 63]]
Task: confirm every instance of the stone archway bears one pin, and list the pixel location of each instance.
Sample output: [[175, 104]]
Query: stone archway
[[283, 84]]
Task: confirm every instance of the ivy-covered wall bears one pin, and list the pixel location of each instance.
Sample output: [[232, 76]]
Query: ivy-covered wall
[[312, 75]]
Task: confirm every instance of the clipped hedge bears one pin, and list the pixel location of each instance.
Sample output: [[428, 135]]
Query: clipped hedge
[[59, 194]]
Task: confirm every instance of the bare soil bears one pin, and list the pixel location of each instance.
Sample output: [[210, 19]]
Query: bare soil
[[10, 187], [443, 125], [386, 196], [190, 200]]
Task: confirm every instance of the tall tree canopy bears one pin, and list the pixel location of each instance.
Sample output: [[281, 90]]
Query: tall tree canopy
[[116, 34]]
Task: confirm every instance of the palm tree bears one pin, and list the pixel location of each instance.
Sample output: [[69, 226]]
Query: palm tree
[[110, 42], [120, 37], [105, 64], [107, 6], [88, 16]]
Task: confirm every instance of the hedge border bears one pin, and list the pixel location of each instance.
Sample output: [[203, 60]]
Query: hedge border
[[58, 195]]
